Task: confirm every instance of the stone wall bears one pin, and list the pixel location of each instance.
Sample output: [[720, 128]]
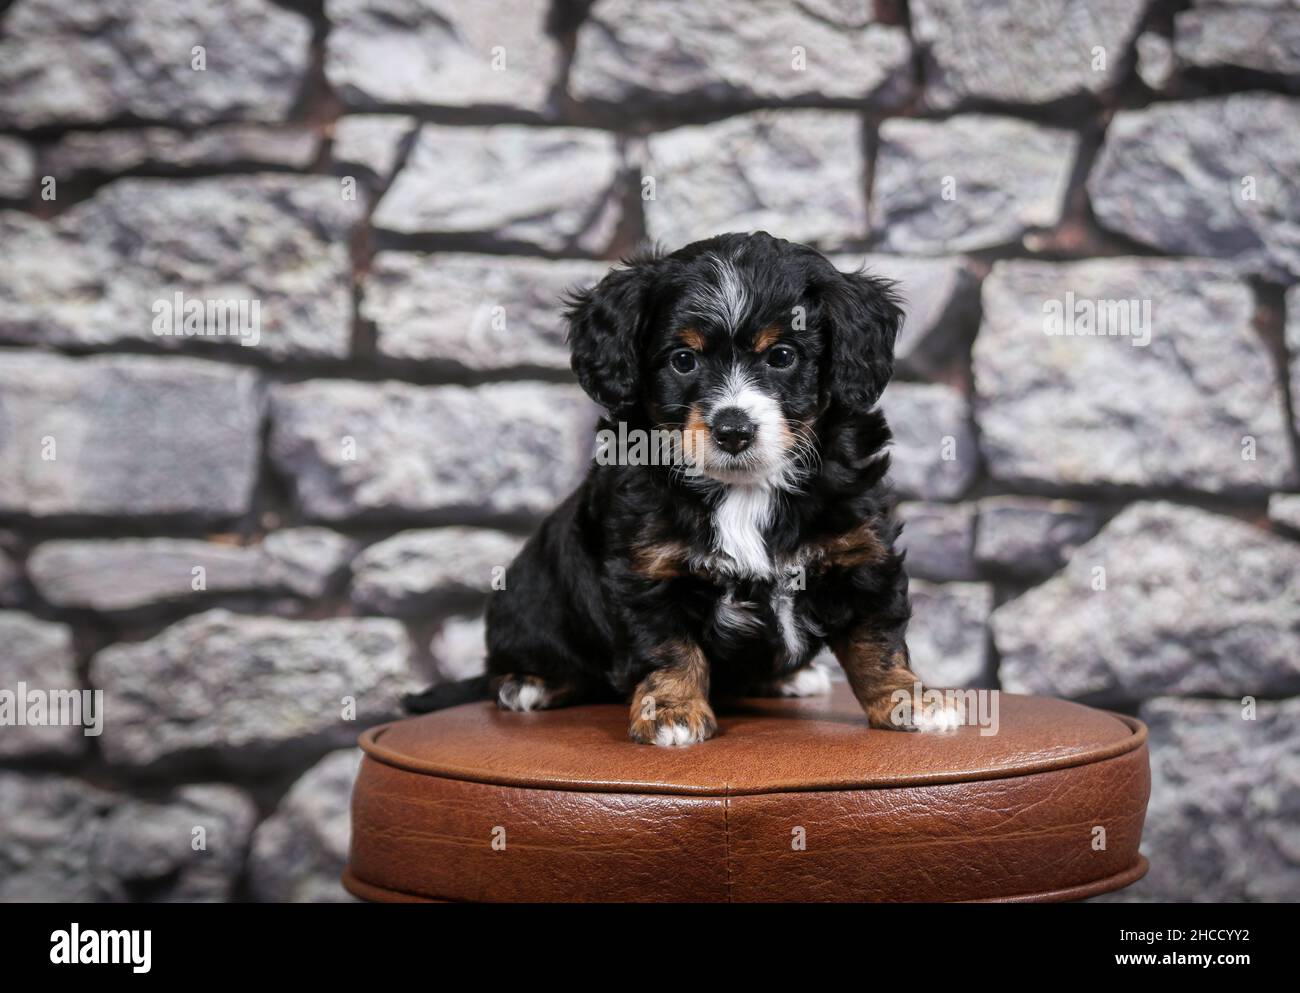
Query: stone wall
[[253, 547]]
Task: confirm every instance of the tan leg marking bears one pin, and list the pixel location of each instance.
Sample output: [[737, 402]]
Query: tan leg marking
[[671, 705], [876, 671]]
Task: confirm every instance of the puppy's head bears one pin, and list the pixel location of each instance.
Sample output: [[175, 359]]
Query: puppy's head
[[741, 342]]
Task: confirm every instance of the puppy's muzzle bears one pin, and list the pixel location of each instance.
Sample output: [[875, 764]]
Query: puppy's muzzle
[[733, 430]]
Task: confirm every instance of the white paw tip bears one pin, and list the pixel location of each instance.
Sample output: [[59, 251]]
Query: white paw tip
[[944, 719], [521, 696], [530, 697], [811, 681], [674, 736]]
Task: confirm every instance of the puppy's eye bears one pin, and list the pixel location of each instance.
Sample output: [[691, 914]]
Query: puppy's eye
[[781, 357], [683, 360]]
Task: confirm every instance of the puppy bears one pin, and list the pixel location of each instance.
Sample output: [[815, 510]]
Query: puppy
[[719, 572]]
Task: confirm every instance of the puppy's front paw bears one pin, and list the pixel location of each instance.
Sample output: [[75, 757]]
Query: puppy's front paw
[[671, 725], [942, 718], [903, 711]]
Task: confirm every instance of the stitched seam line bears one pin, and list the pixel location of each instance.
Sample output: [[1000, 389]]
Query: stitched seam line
[[726, 834]]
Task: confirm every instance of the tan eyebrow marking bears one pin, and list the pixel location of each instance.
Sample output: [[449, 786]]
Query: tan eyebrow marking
[[766, 338], [691, 338]]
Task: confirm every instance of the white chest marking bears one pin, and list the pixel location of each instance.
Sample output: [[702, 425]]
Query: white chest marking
[[738, 523], [783, 607]]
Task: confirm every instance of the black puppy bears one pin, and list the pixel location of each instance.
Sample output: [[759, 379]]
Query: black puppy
[[768, 534]]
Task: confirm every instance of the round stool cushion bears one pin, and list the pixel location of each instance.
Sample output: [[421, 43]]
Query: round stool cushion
[[794, 800]]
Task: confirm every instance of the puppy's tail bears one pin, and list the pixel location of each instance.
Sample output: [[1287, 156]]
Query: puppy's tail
[[448, 695]]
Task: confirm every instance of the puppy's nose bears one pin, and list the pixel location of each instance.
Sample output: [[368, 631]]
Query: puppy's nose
[[733, 430]]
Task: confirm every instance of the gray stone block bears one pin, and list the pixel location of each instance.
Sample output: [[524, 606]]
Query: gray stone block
[[1013, 52], [948, 635], [1155, 59], [1284, 509], [475, 312], [405, 573], [1242, 37], [265, 267], [1064, 403], [113, 59], [371, 141], [512, 183], [39, 655], [249, 690], [659, 51], [968, 182], [81, 153], [939, 539], [65, 841], [126, 436], [17, 168], [934, 455], [307, 561], [398, 450], [764, 171], [124, 573], [1211, 177], [299, 851], [444, 53], [1193, 603], [1225, 800], [1031, 537]]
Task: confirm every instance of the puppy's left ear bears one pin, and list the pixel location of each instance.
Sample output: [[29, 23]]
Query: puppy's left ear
[[606, 325], [861, 315]]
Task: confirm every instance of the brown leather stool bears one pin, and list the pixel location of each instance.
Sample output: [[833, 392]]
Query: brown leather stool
[[794, 800]]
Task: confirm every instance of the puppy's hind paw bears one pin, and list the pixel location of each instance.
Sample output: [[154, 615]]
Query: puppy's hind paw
[[672, 726], [524, 693], [811, 680]]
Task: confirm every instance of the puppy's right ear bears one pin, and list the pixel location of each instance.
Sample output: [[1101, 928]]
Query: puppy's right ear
[[606, 330]]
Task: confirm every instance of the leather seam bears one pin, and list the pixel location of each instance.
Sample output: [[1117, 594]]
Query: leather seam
[[726, 835]]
